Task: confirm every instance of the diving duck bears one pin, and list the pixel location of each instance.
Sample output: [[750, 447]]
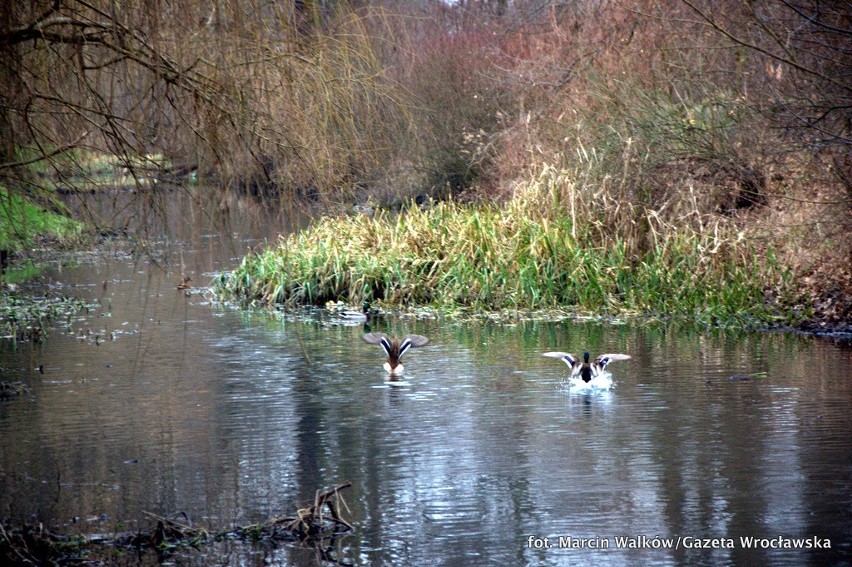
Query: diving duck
[[345, 315], [586, 370], [395, 348]]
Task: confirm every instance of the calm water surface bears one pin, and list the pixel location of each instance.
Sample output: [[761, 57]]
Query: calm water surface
[[159, 402]]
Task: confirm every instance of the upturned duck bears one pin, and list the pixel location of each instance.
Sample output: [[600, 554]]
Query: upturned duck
[[585, 369], [345, 315], [355, 316], [395, 348]]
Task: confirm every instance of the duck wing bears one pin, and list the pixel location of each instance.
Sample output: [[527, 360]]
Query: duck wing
[[378, 339], [412, 341], [566, 357], [605, 359]]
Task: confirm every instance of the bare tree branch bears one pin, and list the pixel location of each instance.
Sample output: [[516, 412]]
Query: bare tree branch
[[716, 25], [45, 156]]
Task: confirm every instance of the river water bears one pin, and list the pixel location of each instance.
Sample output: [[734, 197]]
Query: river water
[[160, 400]]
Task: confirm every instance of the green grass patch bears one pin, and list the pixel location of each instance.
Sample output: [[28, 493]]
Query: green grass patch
[[23, 223], [554, 245]]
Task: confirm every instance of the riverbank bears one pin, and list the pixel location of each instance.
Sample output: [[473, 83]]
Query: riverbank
[[554, 244], [24, 223], [680, 165], [512, 260]]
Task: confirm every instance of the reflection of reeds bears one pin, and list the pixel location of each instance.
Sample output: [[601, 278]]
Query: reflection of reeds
[[553, 244]]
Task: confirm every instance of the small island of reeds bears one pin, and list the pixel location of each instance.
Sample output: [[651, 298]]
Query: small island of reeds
[[553, 245]]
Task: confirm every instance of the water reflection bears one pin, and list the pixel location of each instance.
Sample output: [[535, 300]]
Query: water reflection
[[236, 417]]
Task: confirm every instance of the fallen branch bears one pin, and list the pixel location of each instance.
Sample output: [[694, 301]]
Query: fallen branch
[[35, 545], [310, 522]]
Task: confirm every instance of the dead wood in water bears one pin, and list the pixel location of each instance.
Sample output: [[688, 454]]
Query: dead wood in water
[[168, 532], [317, 525], [310, 522]]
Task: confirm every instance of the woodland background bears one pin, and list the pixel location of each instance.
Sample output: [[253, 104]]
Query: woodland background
[[684, 110]]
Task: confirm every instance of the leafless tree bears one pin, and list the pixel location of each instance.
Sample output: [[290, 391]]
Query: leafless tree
[[802, 51], [224, 86]]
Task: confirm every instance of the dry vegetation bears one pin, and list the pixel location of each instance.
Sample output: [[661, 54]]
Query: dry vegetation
[[525, 254], [318, 527], [684, 115]]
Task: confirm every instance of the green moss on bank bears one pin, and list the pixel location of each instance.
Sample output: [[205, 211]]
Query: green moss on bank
[[550, 246], [23, 222]]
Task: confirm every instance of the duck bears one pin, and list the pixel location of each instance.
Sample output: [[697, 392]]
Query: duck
[[348, 315], [585, 369], [394, 348], [355, 316]]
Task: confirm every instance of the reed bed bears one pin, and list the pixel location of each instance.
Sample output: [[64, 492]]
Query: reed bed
[[555, 244]]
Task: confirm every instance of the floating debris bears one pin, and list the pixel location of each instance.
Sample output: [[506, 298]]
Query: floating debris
[[746, 377], [9, 390], [28, 319]]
